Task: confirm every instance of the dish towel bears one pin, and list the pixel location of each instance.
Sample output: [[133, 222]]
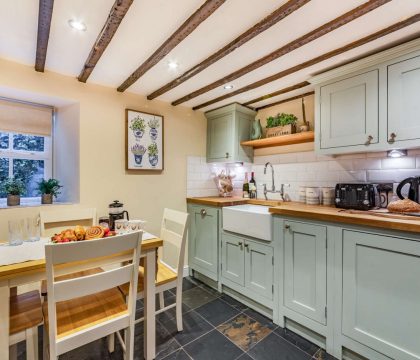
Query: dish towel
[[33, 251]]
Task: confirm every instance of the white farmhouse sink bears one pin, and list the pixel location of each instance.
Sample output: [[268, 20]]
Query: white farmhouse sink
[[250, 220]]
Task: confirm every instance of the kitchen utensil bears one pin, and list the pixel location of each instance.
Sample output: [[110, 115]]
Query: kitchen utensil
[[414, 188], [116, 212]]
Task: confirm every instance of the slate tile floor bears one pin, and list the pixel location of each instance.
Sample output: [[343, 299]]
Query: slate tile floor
[[216, 327]]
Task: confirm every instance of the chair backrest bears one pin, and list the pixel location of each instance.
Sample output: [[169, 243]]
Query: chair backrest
[[52, 222], [83, 251], [174, 235]]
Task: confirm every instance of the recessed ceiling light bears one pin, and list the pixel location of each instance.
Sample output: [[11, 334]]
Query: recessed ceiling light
[[228, 87], [173, 65], [78, 25]]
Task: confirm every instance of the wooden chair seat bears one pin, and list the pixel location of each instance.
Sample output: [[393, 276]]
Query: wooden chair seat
[[164, 276], [84, 312], [69, 276], [25, 312]]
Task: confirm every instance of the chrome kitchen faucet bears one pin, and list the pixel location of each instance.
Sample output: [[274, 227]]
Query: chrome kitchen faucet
[[273, 187]]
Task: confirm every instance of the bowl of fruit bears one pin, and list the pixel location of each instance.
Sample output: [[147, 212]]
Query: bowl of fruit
[[79, 233]]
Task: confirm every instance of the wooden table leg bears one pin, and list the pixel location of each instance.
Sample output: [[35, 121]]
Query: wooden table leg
[[4, 320], [150, 306]]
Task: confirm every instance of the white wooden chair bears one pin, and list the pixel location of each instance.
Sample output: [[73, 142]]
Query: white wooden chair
[[83, 309], [52, 222], [171, 263], [25, 317]]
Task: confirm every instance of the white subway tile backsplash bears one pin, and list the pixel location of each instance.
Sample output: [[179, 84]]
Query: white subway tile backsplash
[[399, 163]]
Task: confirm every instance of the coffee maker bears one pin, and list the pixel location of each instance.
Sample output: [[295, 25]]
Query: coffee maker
[[414, 188], [116, 212]]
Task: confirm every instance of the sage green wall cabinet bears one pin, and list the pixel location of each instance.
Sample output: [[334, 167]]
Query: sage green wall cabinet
[[305, 269], [247, 267], [403, 100], [370, 104], [203, 240], [349, 111], [226, 128], [381, 293]]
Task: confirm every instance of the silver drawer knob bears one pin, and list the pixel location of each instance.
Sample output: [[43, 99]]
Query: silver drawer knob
[[392, 137], [203, 212], [227, 155], [369, 140], [287, 226]]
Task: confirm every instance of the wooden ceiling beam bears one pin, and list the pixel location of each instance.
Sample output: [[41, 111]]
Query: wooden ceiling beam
[[285, 100], [116, 15], [293, 45], [208, 8], [270, 20], [374, 36], [44, 25], [278, 92]]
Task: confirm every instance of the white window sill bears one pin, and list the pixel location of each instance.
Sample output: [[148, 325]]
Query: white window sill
[[29, 202]]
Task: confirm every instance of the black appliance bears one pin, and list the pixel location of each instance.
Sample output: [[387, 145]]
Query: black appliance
[[356, 196], [414, 188], [116, 212]]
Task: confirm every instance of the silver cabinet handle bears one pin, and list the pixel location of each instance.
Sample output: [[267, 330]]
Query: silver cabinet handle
[[392, 137], [240, 243], [227, 155], [287, 227], [203, 212], [247, 247], [369, 140]]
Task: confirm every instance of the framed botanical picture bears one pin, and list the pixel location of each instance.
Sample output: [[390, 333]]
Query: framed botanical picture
[[144, 140]]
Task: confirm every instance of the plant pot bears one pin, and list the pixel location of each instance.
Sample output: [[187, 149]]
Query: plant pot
[[153, 133], [13, 200], [153, 159], [138, 134], [281, 130], [138, 159], [46, 199]]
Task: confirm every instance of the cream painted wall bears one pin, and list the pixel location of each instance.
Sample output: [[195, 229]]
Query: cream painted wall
[[103, 177]]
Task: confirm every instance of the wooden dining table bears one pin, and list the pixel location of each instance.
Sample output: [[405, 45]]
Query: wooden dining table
[[33, 271]]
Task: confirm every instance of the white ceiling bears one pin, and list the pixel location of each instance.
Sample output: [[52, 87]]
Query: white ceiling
[[150, 22]]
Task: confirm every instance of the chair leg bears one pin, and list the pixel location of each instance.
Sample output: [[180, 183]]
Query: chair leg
[[13, 352], [45, 338], [111, 343], [32, 343], [129, 343], [161, 300], [178, 307]]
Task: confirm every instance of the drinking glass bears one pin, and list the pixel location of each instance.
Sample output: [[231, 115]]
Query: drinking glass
[[33, 231], [16, 232]]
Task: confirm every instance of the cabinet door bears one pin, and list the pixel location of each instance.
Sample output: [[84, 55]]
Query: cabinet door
[[404, 100], [244, 123], [203, 243], [220, 137], [349, 111], [305, 269], [381, 292], [259, 269], [233, 259]]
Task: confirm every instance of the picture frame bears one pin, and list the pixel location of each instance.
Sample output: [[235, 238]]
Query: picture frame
[[144, 141]]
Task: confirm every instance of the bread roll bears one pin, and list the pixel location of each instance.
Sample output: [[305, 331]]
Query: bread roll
[[94, 232], [404, 206]]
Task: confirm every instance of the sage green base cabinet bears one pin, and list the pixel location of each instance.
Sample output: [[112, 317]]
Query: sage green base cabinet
[[368, 279], [248, 267], [371, 104], [226, 128], [203, 240]]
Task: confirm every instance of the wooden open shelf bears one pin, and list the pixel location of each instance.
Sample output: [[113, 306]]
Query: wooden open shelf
[[298, 138]]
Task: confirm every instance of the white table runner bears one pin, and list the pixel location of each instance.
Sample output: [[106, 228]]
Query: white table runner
[[33, 251]]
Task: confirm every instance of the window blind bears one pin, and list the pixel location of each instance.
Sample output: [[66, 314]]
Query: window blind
[[25, 118]]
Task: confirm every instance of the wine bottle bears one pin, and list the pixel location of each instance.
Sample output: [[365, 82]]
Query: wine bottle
[[252, 187], [245, 187]]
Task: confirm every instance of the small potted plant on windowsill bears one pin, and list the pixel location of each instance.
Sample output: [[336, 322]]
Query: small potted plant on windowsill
[[14, 189], [282, 124], [49, 188]]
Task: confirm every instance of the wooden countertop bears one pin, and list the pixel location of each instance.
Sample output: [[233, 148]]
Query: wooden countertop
[[365, 218], [230, 201]]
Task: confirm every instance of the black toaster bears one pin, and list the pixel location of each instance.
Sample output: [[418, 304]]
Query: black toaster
[[356, 196]]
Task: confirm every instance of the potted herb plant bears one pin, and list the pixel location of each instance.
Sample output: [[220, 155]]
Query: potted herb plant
[[138, 152], [153, 125], [152, 150], [138, 126], [49, 188], [281, 124], [14, 189]]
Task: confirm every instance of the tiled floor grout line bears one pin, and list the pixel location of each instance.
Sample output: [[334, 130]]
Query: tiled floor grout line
[[297, 347]]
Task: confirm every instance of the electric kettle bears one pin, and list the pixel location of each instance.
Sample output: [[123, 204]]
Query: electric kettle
[[414, 189]]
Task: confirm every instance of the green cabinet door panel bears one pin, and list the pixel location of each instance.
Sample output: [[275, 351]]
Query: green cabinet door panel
[[244, 153], [349, 114], [305, 269], [404, 99], [381, 293], [259, 269], [220, 137], [233, 259], [203, 240]]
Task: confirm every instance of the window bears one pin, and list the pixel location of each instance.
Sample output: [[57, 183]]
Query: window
[[25, 144]]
